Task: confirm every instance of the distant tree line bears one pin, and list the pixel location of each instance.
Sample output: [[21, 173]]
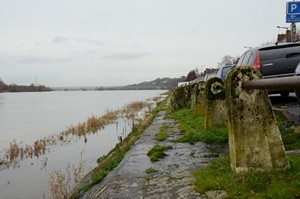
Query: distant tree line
[[21, 88]]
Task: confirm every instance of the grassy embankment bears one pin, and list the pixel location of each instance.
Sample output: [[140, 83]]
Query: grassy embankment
[[253, 184], [108, 162]]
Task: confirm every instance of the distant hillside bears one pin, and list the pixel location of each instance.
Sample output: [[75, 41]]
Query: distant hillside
[[22, 88], [160, 83]]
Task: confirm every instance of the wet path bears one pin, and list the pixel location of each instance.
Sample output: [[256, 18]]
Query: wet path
[[173, 177]]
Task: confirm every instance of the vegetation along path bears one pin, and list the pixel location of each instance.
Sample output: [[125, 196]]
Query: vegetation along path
[[171, 176]]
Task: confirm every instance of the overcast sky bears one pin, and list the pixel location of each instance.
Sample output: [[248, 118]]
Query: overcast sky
[[120, 42]]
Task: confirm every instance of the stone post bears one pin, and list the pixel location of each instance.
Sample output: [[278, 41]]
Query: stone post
[[215, 109], [200, 99], [193, 96], [254, 138]]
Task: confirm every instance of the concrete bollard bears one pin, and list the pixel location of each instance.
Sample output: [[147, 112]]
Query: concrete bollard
[[193, 96], [200, 99], [181, 98], [215, 108], [254, 138], [188, 94], [178, 100]]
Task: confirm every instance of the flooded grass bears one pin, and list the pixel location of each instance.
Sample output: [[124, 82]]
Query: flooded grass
[[93, 124], [60, 184]]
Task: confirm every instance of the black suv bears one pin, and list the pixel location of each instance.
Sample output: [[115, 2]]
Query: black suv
[[278, 60]]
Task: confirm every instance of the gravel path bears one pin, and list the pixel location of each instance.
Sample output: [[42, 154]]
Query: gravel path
[[173, 177]]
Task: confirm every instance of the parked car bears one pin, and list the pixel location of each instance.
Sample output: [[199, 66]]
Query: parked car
[[297, 73], [210, 75], [198, 79], [278, 60], [223, 71]]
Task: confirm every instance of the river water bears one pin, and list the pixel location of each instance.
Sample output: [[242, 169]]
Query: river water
[[26, 117]]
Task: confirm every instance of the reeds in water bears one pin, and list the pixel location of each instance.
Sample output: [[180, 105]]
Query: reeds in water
[[60, 184], [92, 125]]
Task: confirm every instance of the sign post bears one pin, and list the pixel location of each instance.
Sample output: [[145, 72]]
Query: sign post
[[293, 16]]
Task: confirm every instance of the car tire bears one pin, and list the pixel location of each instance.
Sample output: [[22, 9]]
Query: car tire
[[284, 94], [297, 92]]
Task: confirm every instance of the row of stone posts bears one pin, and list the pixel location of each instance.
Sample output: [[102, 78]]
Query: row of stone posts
[[253, 135]]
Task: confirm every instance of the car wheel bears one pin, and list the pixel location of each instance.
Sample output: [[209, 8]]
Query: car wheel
[[298, 95], [284, 94]]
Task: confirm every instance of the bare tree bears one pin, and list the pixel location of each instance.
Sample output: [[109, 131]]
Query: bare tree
[[227, 60], [2, 86], [191, 76]]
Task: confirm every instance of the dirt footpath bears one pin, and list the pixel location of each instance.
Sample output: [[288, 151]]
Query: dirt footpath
[[174, 174]]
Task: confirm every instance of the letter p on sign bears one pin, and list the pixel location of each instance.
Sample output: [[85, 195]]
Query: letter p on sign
[[293, 7]]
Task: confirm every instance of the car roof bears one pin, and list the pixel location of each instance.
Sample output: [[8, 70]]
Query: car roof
[[277, 45]]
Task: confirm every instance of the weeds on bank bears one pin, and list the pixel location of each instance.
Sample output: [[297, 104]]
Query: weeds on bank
[[193, 129], [252, 184], [158, 152]]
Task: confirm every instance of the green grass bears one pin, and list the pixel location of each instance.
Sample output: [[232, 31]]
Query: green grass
[[161, 136], [290, 138], [252, 184], [158, 152], [150, 170], [193, 129]]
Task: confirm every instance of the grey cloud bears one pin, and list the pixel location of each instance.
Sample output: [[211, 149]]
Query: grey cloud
[[90, 41], [125, 56], [29, 59], [60, 39]]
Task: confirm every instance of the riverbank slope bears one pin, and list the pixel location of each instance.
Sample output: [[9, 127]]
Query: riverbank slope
[[171, 177]]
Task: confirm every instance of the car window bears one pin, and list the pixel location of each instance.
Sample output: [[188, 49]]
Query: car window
[[225, 71], [246, 58], [251, 59], [241, 60]]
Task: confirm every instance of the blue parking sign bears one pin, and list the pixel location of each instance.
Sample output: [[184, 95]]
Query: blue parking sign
[[293, 12], [293, 8]]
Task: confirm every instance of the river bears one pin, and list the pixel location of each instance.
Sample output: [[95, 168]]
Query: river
[[26, 117]]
